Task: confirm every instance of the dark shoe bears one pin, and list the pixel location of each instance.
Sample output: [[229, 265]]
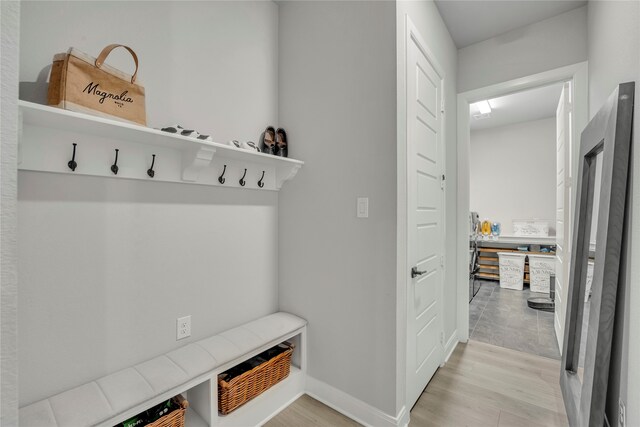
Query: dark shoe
[[282, 145], [173, 129], [268, 141], [186, 132]]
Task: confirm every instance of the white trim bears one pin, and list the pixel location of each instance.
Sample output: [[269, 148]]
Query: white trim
[[353, 408], [450, 346], [403, 417], [402, 221], [412, 32], [462, 204], [578, 74]]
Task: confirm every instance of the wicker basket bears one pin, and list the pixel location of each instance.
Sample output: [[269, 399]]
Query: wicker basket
[[175, 418], [250, 384]]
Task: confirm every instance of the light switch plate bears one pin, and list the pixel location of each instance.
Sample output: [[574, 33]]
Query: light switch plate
[[363, 207]]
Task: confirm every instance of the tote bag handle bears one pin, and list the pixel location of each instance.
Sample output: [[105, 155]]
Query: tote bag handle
[[107, 50]]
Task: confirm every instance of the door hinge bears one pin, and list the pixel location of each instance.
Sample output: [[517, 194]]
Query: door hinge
[[441, 260], [442, 182], [442, 106], [442, 338]]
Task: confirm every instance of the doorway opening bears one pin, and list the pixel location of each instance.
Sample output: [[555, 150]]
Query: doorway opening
[[514, 172], [517, 151]]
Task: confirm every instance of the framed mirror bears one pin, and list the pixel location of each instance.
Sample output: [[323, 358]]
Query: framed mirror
[[602, 176]]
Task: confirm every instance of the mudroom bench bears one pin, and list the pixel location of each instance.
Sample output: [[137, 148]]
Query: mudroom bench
[[192, 371]]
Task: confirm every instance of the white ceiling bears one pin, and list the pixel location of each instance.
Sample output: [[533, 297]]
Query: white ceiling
[[473, 21], [534, 104]]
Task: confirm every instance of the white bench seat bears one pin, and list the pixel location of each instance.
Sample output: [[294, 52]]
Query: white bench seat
[[106, 397]]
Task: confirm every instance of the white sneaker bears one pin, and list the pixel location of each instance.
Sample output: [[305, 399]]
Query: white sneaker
[[250, 145]]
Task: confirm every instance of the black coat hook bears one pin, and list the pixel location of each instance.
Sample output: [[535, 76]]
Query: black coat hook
[[72, 163], [260, 183], [221, 177], [150, 171], [114, 166], [242, 181]]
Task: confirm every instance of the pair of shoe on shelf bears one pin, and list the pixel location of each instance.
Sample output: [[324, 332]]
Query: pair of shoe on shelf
[[274, 142], [187, 132]]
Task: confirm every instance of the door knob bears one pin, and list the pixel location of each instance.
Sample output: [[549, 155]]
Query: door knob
[[415, 273]]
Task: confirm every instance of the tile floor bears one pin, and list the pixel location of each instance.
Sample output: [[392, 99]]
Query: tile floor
[[501, 317]]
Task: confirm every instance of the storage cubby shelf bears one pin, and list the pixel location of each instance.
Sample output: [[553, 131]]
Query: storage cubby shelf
[[192, 419], [261, 408], [47, 134]]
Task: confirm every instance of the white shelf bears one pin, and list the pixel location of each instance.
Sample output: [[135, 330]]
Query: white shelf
[[47, 134]]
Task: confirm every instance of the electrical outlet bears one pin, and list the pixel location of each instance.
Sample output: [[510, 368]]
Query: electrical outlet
[[363, 207], [622, 416], [183, 327]]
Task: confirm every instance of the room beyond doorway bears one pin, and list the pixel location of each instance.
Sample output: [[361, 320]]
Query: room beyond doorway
[[513, 182], [501, 317]]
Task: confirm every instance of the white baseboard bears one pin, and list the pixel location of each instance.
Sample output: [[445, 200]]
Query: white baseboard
[[403, 417], [451, 345], [354, 408]]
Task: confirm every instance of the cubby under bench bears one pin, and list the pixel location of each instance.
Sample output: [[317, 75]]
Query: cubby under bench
[[192, 371]]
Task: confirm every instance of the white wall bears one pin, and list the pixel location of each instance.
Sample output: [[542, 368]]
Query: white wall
[[513, 173], [545, 45], [106, 265], [338, 104], [209, 66], [614, 57], [427, 19], [9, 37]]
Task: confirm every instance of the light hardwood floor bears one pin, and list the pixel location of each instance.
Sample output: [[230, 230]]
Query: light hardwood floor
[[480, 385], [306, 411]]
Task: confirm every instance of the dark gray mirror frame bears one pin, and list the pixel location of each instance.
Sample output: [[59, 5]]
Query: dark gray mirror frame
[[608, 132]]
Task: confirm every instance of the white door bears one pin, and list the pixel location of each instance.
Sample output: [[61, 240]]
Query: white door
[[563, 208], [425, 220]]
